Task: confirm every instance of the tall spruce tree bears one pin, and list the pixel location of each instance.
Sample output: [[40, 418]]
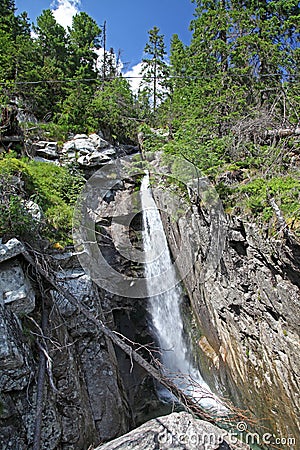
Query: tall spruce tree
[[84, 40], [51, 38], [155, 69]]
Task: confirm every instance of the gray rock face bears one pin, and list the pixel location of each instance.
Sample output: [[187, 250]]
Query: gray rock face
[[44, 149], [85, 402], [88, 151], [248, 311], [14, 359], [11, 249], [16, 292], [176, 431]]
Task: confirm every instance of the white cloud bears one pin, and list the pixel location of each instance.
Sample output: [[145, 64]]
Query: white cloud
[[135, 73], [110, 58], [65, 10]]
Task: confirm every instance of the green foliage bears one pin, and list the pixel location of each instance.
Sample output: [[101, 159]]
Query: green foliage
[[15, 219], [153, 139], [113, 111], [51, 37], [154, 69], [55, 189], [74, 112], [253, 197]]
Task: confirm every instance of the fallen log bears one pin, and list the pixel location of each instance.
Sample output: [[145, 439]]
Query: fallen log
[[283, 132], [11, 138], [231, 414]]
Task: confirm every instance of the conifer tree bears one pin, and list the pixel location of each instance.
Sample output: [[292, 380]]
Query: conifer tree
[[155, 69], [51, 38], [84, 39]]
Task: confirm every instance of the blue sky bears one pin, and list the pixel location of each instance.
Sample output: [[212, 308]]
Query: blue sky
[[127, 21]]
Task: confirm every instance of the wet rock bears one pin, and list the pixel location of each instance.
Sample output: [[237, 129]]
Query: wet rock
[[176, 431], [247, 306]]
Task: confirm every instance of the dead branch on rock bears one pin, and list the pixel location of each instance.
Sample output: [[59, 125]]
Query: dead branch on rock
[[49, 369], [283, 226], [231, 413]]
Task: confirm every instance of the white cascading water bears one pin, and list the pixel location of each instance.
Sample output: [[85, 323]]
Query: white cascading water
[[165, 307]]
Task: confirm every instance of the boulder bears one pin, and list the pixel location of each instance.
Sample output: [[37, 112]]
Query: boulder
[[80, 136], [110, 152], [15, 289], [34, 210], [125, 149], [176, 431], [45, 149], [94, 160], [11, 249], [88, 151], [98, 141], [84, 146], [68, 147]]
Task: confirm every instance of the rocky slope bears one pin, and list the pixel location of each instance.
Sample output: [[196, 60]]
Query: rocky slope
[[176, 431], [247, 309], [83, 400]]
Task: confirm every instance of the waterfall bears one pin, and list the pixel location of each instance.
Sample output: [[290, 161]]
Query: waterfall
[[165, 307]]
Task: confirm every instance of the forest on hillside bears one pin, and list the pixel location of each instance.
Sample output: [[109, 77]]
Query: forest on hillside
[[229, 101]]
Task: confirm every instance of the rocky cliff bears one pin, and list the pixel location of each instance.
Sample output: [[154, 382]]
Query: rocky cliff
[[247, 310], [62, 378], [54, 363], [176, 431]]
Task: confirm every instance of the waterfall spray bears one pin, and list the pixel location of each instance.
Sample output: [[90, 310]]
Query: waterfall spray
[[165, 308]]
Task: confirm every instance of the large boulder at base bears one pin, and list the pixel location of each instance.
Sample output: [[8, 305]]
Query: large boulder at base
[[176, 431]]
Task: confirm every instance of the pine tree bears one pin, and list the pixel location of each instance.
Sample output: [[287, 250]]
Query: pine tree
[[84, 39], [51, 38], [7, 16], [155, 69]]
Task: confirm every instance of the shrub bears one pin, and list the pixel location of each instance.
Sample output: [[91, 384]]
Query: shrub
[[53, 188]]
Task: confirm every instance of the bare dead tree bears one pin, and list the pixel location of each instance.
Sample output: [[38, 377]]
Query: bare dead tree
[[155, 369]]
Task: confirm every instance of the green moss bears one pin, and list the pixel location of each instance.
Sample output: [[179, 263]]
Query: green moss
[[55, 189], [46, 131]]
